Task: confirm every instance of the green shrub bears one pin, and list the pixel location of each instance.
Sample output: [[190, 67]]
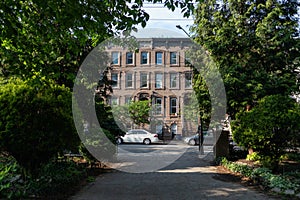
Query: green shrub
[[253, 156], [10, 179], [239, 168], [56, 178], [53, 179], [35, 121], [264, 175], [293, 156], [269, 128]]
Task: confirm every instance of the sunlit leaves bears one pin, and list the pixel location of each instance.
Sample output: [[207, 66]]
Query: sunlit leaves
[[254, 45], [270, 127], [52, 36]]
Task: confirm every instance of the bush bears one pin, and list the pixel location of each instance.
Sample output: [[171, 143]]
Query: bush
[[10, 179], [53, 179], [35, 121], [236, 153], [264, 175], [245, 170], [269, 128], [56, 178]]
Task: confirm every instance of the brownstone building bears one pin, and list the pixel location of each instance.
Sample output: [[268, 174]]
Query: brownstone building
[[156, 72]]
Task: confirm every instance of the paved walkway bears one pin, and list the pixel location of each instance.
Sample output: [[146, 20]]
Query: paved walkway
[[187, 178]]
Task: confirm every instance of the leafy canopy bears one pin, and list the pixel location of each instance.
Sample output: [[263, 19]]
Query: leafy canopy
[[255, 45], [54, 37], [139, 112], [270, 127]]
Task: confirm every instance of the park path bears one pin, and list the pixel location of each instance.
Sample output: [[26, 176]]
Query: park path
[[190, 177]]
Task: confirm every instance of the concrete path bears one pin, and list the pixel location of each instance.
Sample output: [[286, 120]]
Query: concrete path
[[190, 177]]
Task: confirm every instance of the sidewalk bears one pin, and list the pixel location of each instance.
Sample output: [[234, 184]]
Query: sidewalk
[[190, 177]]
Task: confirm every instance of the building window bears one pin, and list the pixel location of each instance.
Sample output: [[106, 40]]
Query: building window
[[129, 58], [127, 100], [159, 80], [114, 101], [144, 57], [114, 79], [129, 80], [159, 58], [144, 80], [158, 106], [115, 58], [173, 106], [173, 58], [188, 80], [173, 80]]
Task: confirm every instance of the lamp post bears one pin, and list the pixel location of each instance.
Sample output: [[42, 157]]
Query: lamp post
[[200, 133], [179, 27]]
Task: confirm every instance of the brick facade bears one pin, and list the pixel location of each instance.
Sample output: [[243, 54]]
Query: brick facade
[[157, 72]]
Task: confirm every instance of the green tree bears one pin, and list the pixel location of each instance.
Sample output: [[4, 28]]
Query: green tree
[[254, 44], [139, 111], [49, 40], [53, 38], [107, 121], [269, 128], [35, 121], [122, 116]]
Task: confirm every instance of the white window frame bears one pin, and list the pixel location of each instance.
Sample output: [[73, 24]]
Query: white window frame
[[176, 58], [176, 80], [113, 58], [147, 62], [116, 85], [159, 82], [158, 106], [159, 59], [132, 54], [147, 76], [128, 81]]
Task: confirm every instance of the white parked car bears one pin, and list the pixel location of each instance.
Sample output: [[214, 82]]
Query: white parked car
[[138, 136]]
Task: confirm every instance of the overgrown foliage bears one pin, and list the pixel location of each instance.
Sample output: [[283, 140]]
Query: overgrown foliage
[[270, 128], [52, 181], [264, 176], [139, 112], [107, 121], [54, 37], [255, 45], [36, 121]]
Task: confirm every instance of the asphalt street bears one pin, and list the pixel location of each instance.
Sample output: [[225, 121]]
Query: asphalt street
[[190, 176]]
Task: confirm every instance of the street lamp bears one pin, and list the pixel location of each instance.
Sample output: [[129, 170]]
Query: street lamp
[[200, 133], [179, 27]]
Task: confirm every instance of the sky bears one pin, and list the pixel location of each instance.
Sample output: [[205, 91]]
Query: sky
[[163, 21]]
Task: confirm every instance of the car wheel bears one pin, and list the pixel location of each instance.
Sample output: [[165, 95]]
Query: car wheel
[[192, 142], [147, 141], [119, 141]]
